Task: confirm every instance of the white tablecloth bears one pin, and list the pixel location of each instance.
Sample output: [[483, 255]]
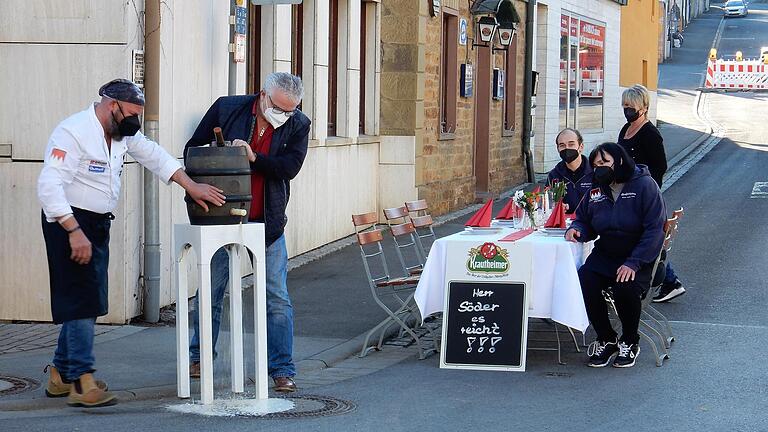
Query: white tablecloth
[[554, 291]]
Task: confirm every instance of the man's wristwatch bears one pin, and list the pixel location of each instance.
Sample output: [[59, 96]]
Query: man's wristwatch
[[77, 228]]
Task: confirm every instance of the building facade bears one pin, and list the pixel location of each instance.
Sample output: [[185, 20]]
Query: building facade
[[63, 52], [451, 112], [639, 48], [578, 47]]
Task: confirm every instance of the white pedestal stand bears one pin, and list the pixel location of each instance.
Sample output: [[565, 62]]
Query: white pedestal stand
[[205, 241]]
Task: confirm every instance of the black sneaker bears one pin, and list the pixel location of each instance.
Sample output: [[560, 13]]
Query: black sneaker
[[669, 291], [627, 355], [600, 353]]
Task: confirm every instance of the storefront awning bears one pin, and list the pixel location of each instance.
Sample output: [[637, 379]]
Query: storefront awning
[[503, 10]]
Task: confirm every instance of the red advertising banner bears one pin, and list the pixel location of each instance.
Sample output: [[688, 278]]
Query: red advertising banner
[[592, 35], [563, 25]]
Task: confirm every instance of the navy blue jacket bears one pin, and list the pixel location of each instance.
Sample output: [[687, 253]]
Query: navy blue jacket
[[631, 229], [286, 153], [577, 183]]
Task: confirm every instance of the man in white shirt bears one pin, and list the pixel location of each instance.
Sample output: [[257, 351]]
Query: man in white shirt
[[78, 188]]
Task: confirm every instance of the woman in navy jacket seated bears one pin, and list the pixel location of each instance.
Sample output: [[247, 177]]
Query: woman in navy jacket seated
[[625, 209]]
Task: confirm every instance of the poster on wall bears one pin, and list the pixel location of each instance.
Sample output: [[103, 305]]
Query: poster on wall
[[498, 84], [467, 80]]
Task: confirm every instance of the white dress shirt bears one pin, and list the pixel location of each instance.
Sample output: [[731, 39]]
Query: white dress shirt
[[81, 171]]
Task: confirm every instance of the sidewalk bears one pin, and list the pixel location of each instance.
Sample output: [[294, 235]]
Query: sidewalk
[[679, 77]]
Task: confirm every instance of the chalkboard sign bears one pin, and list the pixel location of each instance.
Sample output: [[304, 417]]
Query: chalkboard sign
[[485, 325]]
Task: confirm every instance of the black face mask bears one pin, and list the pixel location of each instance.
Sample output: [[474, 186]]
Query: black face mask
[[603, 175], [631, 114], [128, 127], [569, 155]]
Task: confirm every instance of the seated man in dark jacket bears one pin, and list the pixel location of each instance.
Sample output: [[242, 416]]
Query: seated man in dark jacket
[[574, 168], [626, 210], [275, 134]]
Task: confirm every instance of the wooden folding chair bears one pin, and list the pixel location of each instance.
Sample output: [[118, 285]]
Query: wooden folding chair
[[385, 287], [670, 229], [648, 326], [408, 248], [422, 221]]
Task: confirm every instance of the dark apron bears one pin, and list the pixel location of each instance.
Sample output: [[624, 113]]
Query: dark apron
[[78, 291]]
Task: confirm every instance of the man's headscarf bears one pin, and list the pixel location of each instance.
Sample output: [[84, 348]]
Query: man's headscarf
[[123, 90]]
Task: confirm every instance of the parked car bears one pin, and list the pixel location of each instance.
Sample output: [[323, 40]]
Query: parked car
[[735, 8]]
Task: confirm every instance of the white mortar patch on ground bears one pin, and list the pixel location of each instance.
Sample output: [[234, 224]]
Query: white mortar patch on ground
[[5, 385], [235, 407], [760, 190]]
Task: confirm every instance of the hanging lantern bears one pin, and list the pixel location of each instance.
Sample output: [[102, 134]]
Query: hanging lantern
[[486, 28]]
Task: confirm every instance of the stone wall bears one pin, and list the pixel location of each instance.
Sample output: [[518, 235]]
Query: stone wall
[[411, 83]]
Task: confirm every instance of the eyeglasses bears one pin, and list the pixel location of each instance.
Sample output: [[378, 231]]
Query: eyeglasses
[[279, 110]]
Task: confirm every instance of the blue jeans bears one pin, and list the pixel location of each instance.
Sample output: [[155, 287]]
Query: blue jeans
[[279, 309], [74, 352], [670, 277]]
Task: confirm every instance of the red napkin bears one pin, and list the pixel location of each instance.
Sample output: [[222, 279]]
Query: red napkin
[[510, 211], [517, 235], [483, 216], [557, 218]]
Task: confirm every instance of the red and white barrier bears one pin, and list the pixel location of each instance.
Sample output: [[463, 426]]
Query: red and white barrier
[[734, 74]]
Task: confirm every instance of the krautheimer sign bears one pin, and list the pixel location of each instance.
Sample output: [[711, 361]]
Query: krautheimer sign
[[485, 314]]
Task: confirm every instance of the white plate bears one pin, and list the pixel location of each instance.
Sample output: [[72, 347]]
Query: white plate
[[553, 231], [503, 222], [481, 230]]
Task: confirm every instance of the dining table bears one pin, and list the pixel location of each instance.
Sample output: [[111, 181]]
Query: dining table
[[541, 259]]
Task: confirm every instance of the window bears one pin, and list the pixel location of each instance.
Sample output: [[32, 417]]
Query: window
[[645, 73], [510, 86], [253, 65], [582, 73], [449, 73], [297, 39], [333, 66], [363, 60]]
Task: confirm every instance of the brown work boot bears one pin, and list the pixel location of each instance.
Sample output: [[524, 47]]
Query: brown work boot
[[58, 388], [194, 370], [284, 384], [85, 393]]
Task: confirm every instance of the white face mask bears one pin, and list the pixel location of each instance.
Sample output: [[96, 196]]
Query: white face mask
[[275, 119]]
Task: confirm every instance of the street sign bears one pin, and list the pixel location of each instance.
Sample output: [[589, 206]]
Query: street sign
[[462, 31], [241, 20], [239, 54]]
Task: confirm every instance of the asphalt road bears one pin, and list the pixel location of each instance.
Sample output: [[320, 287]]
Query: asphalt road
[[714, 381]]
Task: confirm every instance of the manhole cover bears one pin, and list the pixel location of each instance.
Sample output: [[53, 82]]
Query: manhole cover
[[313, 406], [12, 385]]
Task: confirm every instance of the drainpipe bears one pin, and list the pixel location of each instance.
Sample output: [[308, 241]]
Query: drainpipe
[[151, 130], [530, 10]]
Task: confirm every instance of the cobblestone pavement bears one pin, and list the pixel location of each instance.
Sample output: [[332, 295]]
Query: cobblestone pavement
[[16, 338]]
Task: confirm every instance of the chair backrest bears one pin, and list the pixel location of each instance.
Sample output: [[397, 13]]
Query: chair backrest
[[364, 221], [408, 246], [417, 206], [395, 213], [670, 229], [369, 238], [422, 221]]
